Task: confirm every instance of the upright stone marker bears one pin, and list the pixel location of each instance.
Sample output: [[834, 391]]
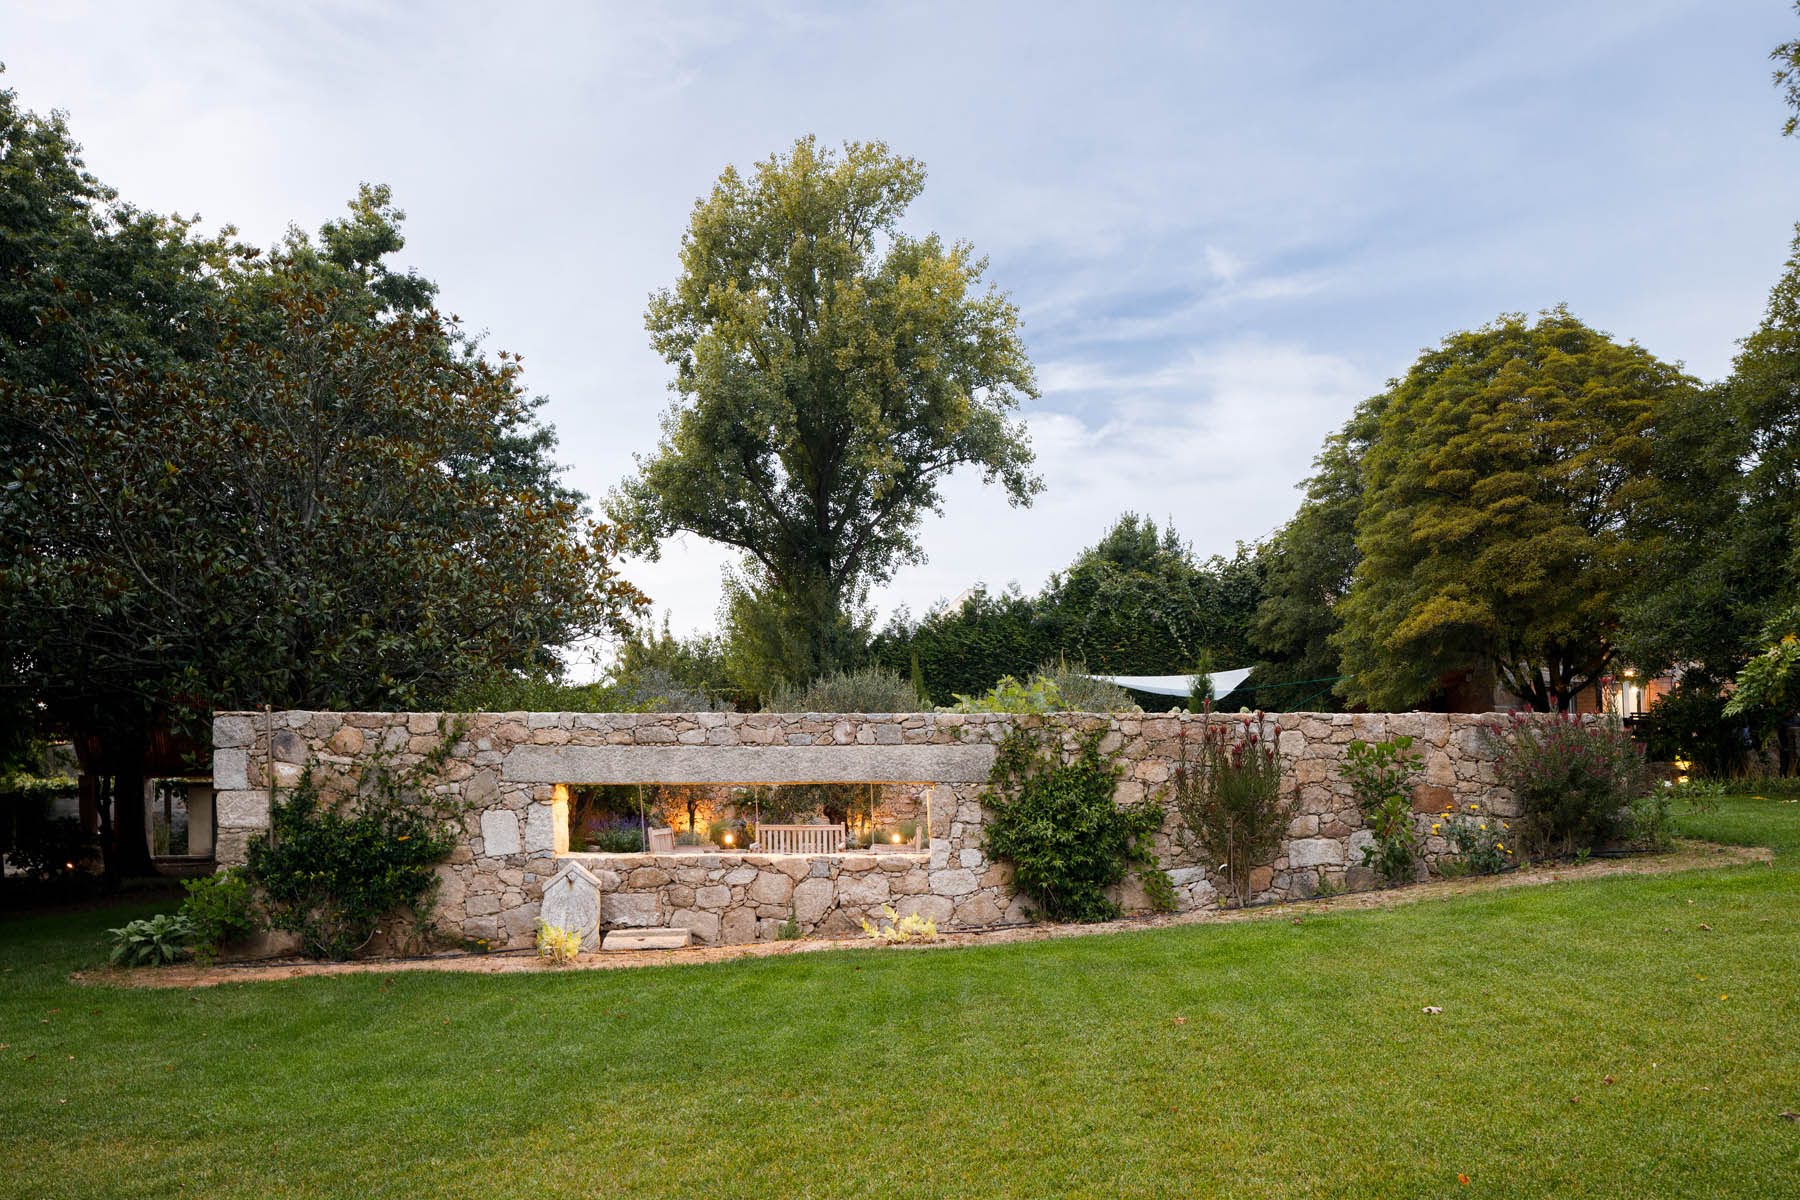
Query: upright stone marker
[[572, 901]]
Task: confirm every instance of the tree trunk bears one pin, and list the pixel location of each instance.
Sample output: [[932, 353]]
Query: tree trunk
[[128, 853]]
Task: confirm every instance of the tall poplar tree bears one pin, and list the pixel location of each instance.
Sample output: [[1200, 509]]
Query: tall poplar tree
[[832, 371]]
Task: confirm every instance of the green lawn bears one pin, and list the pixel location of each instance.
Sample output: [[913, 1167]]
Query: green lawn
[[1304, 1067]]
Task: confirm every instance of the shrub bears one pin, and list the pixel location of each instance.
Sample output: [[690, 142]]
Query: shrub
[[1056, 822], [868, 690], [1574, 779], [332, 875], [559, 945], [1380, 777], [1689, 725], [221, 908], [910, 928], [1229, 795], [1041, 695], [155, 942], [1478, 844], [1080, 692], [1650, 820], [612, 835]]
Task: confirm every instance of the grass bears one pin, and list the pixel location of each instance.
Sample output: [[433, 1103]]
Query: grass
[[1303, 1066]]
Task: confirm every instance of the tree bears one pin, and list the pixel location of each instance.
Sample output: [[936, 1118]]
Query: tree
[[1786, 58], [1308, 566], [832, 370], [1493, 530], [1138, 602], [343, 505]]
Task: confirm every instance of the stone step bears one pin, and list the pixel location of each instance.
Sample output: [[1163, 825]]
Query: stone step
[[646, 939]]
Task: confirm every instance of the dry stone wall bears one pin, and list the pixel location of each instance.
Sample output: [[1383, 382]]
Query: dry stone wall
[[506, 770]]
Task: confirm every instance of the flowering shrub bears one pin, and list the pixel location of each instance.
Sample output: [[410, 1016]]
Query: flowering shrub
[[1478, 843], [1229, 796], [1380, 777], [1575, 780]]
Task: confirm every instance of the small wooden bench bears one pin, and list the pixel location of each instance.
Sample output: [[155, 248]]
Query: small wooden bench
[[662, 840], [800, 839]]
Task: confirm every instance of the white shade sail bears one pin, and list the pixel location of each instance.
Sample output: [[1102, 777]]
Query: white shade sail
[[1223, 682]]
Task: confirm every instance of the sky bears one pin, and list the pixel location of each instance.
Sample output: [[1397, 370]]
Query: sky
[[1223, 224]]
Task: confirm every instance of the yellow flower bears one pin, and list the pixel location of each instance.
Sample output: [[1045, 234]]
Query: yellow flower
[[1484, 826], [1434, 829]]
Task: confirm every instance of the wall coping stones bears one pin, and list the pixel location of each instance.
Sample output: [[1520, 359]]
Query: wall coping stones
[[748, 764]]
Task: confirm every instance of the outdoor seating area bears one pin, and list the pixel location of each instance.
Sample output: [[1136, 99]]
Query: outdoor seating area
[[747, 818]]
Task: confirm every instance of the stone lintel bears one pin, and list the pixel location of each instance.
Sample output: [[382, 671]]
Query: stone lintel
[[748, 764]]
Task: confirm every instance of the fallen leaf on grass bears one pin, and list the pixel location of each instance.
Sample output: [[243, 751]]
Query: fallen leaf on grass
[[1790, 1116], [1705, 928], [1608, 1080], [1432, 1009], [1181, 1020], [1463, 1179]]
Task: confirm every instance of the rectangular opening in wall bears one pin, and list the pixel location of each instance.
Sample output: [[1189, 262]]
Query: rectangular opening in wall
[[873, 817]]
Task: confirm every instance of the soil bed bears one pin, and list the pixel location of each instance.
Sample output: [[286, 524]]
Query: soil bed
[[1686, 856]]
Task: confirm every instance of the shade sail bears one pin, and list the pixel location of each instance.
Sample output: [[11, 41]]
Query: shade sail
[[1223, 682]]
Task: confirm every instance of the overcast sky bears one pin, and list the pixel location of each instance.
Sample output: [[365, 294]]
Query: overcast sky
[[1224, 224]]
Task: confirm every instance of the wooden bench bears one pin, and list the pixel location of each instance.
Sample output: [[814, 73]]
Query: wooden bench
[[800, 839], [662, 840]]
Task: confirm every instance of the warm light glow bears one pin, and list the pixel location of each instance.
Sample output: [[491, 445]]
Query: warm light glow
[[895, 839], [728, 839]]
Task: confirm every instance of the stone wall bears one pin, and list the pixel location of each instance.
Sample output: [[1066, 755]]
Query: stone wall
[[506, 769]]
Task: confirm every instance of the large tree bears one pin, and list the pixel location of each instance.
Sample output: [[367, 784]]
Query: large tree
[[832, 371], [341, 502], [1497, 494]]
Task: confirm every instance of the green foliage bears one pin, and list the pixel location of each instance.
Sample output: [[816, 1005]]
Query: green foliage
[[1307, 568], [1228, 791], [1770, 681], [1077, 691], [221, 908], [1039, 696], [335, 873], [1478, 845], [1379, 771], [1574, 779], [1650, 819], [832, 371], [542, 691], [1200, 695], [1786, 58], [964, 650], [1159, 889], [154, 942], [1380, 776], [1136, 602], [865, 690], [1690, 725], [1140, 602], [1054, 818], [234, 478], [1492, 523], [789, 930]]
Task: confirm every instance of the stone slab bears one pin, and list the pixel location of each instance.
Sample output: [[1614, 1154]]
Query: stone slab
[[674, 763], [646, 939], [748, 764]]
